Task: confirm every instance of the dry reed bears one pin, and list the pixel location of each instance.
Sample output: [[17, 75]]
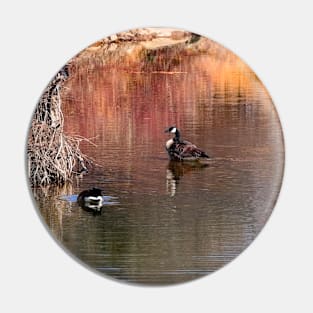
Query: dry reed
[[53, 157]]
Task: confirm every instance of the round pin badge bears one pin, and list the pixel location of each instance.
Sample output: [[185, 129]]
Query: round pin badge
[[155, 156]]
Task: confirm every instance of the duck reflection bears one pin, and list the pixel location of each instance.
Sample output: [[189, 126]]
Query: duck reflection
[[175, 170]]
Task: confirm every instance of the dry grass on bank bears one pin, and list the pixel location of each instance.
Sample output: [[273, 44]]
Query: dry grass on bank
[[53, 157]]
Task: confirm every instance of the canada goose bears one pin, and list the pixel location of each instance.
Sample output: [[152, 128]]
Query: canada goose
[[91, 199], [182, 150]]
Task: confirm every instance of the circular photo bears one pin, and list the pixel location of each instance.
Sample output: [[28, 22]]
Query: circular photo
[[155, 156]]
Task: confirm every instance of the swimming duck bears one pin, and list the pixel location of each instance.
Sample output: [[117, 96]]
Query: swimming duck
[[91, 199], [182, 150]]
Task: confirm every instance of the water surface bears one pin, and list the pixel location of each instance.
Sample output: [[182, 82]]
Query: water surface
[[173, 222]]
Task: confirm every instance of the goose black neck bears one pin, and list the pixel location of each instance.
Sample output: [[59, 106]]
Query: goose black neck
[[177, 134]]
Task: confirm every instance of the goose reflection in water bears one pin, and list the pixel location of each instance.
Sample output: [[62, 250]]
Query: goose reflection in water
[[176, 170]]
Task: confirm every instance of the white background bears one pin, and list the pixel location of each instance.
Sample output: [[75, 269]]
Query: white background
[[275, 272]]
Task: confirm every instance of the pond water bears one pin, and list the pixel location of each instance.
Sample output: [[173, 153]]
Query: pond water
[[172, 222]]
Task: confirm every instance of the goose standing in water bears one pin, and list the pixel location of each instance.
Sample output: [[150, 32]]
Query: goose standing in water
[[182, 150]]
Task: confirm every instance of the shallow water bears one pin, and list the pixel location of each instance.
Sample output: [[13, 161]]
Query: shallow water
[[172, 222]]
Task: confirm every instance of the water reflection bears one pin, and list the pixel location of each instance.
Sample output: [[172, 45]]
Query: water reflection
[[174, 221], [52, 208], [175, 170]]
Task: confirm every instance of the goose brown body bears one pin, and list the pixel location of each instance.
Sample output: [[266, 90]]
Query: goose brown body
[[182, 150]]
